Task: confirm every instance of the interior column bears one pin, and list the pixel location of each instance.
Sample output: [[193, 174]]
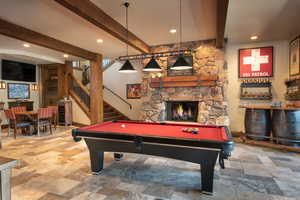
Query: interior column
[[96, 90]]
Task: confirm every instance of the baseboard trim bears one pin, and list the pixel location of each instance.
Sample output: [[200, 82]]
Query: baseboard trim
[[78, 124]]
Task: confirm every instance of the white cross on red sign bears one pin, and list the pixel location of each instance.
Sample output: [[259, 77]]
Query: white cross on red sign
[[255, 60]]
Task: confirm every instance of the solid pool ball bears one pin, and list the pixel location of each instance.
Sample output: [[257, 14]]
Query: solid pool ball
[[123, 125]]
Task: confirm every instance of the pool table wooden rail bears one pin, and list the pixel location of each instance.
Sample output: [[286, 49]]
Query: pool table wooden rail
[[227, 146]]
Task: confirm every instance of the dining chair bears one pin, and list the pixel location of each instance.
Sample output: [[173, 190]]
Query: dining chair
[[18, 109], [44, 119], [14, 123], [54, 115]]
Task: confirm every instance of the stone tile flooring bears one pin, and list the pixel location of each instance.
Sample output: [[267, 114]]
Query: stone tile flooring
[[56, 168]]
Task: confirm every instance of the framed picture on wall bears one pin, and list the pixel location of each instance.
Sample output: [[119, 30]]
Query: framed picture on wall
[[18, 91], [133, 91], [256, 62], [294, 57]]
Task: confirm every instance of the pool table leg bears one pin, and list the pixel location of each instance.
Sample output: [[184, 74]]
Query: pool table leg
[[207, 177], [97, 158], [118, 156]]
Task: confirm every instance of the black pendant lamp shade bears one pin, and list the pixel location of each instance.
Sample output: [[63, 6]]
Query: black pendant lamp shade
[[152, 66], [127, 68], [181, 64]]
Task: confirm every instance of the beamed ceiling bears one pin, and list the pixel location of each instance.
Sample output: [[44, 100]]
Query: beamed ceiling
[[150, 20]]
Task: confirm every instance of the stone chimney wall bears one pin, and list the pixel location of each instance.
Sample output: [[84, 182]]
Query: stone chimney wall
[[207, 60]]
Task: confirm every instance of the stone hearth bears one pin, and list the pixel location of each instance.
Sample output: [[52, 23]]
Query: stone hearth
[[212, 107]]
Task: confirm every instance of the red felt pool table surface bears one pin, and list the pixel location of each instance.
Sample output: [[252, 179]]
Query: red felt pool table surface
[[170, 130]]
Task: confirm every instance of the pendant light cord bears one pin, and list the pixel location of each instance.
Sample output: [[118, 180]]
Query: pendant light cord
[[180, 24], [126, 5]]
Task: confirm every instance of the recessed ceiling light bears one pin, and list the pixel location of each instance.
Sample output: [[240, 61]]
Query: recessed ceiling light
[[254, 37], [173, 31], [66, 56], [26, 45], [99, 41]]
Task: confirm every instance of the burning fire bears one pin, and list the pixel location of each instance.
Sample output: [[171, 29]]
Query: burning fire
[[180, 112]]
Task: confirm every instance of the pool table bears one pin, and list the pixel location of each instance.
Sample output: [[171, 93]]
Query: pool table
[[159, 139]]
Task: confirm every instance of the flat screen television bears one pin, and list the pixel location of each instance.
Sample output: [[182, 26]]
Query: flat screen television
[[18, 91], [18, 71]]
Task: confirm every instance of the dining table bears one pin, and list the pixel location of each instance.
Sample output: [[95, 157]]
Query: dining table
[[32, 115]]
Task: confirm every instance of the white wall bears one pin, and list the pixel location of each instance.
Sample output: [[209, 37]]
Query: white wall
[[280, 68], [78, 115], [117, 82]]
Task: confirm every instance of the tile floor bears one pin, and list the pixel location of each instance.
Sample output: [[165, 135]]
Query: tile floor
[[56, 168]]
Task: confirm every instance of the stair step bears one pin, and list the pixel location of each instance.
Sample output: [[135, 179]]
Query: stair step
[[117, 117], [108, 109], [110, 114]]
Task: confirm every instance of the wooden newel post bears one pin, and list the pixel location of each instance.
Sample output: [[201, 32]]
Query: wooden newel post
[[96, 90], [63, 79]]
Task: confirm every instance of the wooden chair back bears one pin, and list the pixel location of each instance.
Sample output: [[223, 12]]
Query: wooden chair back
[[18, 109], [54, 109], [44, 113], [9, 114]]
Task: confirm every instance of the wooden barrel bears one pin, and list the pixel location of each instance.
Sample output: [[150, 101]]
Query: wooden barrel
[[286, 125], [258, 123]]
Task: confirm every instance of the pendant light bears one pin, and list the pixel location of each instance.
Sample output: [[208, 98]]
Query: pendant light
[[152, 66], [181, 63], [127, 66]]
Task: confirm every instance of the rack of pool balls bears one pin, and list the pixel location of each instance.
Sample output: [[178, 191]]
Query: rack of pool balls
[[191, 130]]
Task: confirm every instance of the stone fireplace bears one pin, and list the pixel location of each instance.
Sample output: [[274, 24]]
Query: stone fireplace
[[202, 94], [186, 111]]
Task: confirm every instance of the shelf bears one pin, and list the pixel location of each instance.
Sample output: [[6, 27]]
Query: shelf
[[293, 98], [256, 98], [268, 107], [251, 85]]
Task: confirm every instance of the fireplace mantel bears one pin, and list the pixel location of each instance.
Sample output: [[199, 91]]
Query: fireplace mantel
[[184, 81]]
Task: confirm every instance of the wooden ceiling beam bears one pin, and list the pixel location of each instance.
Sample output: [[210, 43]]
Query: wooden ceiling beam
[[222, 7], [27, 35], [95, 15]]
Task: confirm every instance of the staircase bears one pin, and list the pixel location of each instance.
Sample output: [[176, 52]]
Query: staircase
[[110, 113], [80, 94]]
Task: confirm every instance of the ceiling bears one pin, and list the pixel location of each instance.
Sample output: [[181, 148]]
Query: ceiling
[[268, 19], [50, 18], [151, 21], [147, 19], [11, 48]]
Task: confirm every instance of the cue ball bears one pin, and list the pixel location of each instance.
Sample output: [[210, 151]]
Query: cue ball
[[123, 125]]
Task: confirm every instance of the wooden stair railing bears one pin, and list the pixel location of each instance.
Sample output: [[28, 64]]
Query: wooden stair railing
[[80, 94], [116, 95], [81, 104], [79, 84]]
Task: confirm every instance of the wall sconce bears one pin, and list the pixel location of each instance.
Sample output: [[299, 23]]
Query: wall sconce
[[2, 85], [34, 87]]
